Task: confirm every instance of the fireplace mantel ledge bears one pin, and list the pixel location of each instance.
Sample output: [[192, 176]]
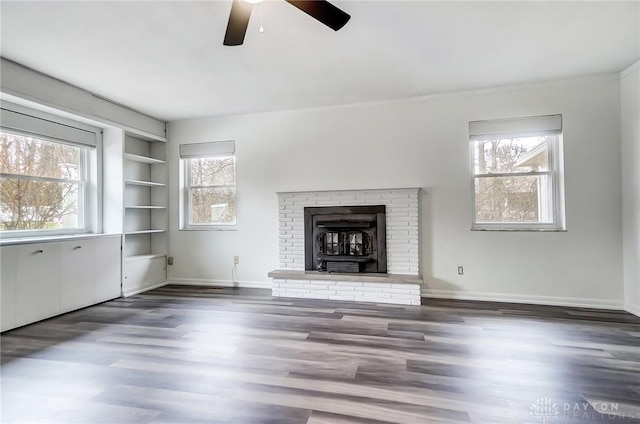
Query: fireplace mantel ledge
[[348, 190], [288, 274]]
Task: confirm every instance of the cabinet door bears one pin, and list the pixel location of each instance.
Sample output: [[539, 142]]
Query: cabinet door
[[37, 282], [144, 273], [77, 274], [7, 288], [108, 269]]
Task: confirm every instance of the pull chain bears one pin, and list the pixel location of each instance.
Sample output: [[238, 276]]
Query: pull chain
[[261, 27]]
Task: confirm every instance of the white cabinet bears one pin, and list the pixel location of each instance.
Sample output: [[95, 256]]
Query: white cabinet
[[88, 272], [37, 282], [145, 214], [7, 288], [108, 281], [140, 273], [41, 280], [77, 274]]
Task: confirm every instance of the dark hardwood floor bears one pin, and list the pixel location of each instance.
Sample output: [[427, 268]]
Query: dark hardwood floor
[[186, 354]]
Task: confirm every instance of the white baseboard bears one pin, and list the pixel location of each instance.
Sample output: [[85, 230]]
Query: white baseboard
[[438, 294], [219, 283], [138, 291], [632, 309], [514, 298]]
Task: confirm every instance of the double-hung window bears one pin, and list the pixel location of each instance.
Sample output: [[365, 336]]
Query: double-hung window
[[48, 174], [209, 185], [517, 181]]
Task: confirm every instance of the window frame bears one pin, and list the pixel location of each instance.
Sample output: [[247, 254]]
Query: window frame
[[186, 187], [555, 174], [89, 186]]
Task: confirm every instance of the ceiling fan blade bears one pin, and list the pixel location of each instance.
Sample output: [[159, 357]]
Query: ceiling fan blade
[[323, 11], [238, 22]]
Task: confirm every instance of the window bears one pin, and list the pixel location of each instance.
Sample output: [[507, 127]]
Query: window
[[517, 174], [48, 174], [209, 185]]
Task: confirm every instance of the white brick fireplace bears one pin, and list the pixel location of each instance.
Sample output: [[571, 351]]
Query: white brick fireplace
[[400, 285]]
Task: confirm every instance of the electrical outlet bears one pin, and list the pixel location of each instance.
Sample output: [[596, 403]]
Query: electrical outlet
[[236, 260], [170, 260], [460, 270]]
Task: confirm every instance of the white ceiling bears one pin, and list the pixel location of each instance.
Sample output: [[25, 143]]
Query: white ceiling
[[166, 59]]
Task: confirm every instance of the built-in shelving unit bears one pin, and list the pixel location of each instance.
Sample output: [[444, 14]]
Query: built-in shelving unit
[[145, 213]]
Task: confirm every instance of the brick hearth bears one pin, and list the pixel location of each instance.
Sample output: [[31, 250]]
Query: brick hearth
[[378, 288]]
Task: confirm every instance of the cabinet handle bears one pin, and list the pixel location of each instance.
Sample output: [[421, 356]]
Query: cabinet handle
[[39, 251], [77, 247]]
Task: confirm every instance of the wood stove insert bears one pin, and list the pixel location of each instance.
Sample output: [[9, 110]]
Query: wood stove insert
[[345, 239]]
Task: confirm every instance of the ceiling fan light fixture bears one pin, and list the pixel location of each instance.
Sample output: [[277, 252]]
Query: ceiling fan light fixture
[[320, 10]]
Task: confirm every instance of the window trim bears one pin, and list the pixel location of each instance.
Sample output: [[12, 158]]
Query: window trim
[[555, 173], [90, 194], [185, 187]]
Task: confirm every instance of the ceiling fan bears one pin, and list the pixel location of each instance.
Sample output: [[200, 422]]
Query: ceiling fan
[[320, 10]]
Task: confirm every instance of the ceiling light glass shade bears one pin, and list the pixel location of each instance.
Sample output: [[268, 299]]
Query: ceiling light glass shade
[[253, 1]]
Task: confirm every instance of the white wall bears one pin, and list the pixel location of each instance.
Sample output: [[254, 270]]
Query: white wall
[[630, 124], [424, 143]]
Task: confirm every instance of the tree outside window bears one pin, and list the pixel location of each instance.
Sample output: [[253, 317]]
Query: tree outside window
[[512, 179], [41, 184], [212, 190]]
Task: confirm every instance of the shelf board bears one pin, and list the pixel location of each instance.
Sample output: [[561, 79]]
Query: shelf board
[[128, 233], [146, 257], [144, 183], [145, 136], [142, 159], [145, 207]]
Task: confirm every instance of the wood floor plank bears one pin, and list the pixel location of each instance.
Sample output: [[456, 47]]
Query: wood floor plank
[[182, 354]]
